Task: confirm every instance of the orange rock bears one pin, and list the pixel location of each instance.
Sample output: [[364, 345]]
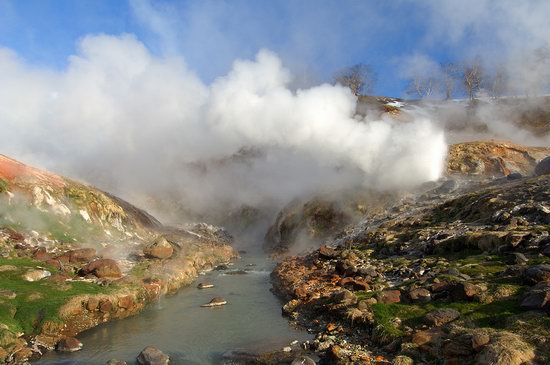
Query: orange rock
[[331, 327]]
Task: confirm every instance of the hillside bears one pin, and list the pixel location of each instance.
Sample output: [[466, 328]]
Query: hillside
[[73, 256], [455, 276], [304, 224]]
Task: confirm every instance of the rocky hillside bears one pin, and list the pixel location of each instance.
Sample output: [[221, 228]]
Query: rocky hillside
[[493, 159], [72, 256], [455, 276], [306, 224]]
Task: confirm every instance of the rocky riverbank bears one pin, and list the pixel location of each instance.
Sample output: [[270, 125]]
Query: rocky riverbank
[[73, 257], [459, 275]]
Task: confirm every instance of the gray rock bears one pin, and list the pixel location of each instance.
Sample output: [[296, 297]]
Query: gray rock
[[543, 167], [440, 317], [537, 273], [69, 344], [420, 295], [152, 356], [36, 275], [516, 258], [514, 176]]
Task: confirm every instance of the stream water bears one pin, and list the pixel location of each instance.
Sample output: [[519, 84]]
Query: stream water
[[190, 334]]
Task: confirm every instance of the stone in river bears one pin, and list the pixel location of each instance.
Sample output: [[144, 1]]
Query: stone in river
[[215, 302], [152, 356], [205, 286], [69, 344]]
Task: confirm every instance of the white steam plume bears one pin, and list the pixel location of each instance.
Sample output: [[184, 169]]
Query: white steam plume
[[138, 124]]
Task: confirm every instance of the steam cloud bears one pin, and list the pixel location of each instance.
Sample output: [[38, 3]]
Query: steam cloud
[[142, 125]]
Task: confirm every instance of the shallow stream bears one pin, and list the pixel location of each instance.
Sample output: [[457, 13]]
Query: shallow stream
[[190, 334]]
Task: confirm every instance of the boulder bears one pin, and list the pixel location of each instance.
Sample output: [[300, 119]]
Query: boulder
[[159, 249], [537, 298], [516, 258], [152, 356], [505, 349], [464, 291], [68, 344], [36, 275], [126, 302], [327, 253], [543, 167], [389, 296], [354, 284], [420, 295], [105, 306], [81, 255], [92, 304], [457, 346], [537, 273], [431, 335], [41, 254], [103, 268], [442, 316], [344, 297], [479, 340]]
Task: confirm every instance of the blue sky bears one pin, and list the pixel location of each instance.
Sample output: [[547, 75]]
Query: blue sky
[[314, 38]]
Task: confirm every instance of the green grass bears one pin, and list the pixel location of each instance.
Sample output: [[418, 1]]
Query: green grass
[[31, 314], [477, 314]]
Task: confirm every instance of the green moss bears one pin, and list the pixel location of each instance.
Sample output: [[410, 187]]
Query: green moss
[[471, 263], [3, 186], [140, 269], [30, 315]]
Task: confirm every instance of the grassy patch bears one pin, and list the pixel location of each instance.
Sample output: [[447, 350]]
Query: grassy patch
[[471, 263], [30, 313], [491, 315]]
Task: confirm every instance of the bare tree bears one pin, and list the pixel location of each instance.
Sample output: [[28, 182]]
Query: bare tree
[[423, 86], [497, 83], [450, 73], [472, 73], [360, 78]]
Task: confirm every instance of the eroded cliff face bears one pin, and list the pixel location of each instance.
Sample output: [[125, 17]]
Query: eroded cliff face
[[73, 256]]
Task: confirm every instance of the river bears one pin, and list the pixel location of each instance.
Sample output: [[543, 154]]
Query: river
[[189, 334]]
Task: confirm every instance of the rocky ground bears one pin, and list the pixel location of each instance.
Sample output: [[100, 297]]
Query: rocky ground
[[72, 256], [459, 274]]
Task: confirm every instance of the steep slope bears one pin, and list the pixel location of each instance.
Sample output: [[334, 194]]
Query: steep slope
[[73, 256], [462, 277]]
